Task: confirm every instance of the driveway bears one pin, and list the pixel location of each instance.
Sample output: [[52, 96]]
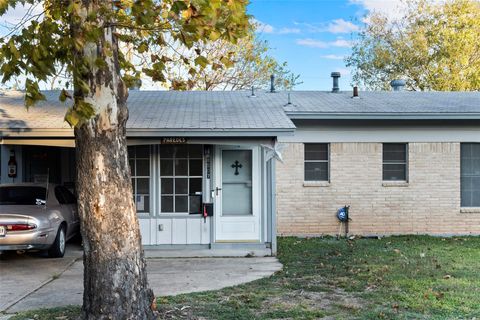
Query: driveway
[[30, 281]]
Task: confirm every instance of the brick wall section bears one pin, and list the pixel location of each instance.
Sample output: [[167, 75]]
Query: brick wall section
[[428, 204]]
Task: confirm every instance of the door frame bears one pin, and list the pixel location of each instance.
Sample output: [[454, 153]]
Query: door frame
[[256, 216]]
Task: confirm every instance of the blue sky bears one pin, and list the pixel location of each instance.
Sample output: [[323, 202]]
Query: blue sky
[[313, 36]]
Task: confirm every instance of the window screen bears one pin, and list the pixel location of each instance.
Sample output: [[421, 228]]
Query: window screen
[[181, 171], [470, 174], [395, 159], [316, 162], [139, 158]]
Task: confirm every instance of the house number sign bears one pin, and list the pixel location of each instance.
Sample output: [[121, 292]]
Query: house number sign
[[174, 140]]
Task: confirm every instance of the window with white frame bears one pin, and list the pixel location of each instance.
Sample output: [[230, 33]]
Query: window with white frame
[[470, 174], [181, 172], [316, 161], [139, 160], [395, 162]]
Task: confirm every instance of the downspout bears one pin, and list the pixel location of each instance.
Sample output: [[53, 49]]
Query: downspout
[[273, 205]]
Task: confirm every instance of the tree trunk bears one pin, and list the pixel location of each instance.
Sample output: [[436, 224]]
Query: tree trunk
[[115, 279]]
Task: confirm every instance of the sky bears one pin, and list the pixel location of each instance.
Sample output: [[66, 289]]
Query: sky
[[314, 36]]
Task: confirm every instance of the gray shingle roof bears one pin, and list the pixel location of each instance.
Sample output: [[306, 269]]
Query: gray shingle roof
[[160, 111], [371, 102], [230, 113]]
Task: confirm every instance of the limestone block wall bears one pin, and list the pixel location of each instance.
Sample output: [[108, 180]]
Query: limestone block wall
[[429, 203]]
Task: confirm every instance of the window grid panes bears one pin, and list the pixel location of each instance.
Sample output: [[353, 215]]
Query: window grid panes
[[316, 163], [470, 174], [139, 160], [181, 172], [395, 161]]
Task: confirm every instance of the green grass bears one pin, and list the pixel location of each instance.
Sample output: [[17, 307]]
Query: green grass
[[408, 277]]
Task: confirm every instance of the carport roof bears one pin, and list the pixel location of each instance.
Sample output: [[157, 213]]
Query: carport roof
[[156, 113]]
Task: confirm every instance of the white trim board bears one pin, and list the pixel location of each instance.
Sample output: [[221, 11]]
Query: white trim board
[[325, 133]]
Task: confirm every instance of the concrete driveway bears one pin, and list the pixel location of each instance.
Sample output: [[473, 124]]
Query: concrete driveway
[[31, 281]]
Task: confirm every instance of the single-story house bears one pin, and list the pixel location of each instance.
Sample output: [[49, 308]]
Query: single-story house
[[405, 162]]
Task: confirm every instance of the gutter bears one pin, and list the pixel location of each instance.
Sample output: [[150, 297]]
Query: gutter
[[139, 133], [383, 116]]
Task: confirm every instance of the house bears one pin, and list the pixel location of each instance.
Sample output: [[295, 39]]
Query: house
[[405, 162]]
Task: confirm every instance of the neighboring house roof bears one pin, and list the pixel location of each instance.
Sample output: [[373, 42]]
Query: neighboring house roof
[[155, 113], [236, 113], [384, 105]]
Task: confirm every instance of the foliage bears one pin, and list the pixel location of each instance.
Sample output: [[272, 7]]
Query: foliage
[[434, 46], [46, 42], [248, 65], [409, 277]]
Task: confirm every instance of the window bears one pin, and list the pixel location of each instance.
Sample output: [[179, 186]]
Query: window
[[64, 196], [395, 159], [139, 158], [181, 171], [470, 174], [21, 195], [316, 161]]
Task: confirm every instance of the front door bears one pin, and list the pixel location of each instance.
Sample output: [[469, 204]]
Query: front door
[[237, 195]]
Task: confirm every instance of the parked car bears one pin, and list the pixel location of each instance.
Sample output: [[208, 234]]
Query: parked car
[[34, 217]]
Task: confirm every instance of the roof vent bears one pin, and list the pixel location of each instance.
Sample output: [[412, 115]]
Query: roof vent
[[272, 83], [253, 93], [335, 76], [355, 92], [397, 84]]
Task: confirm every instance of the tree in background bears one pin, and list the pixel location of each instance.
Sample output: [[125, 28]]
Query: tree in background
[[237, 66], [434, 46], [233, 66], [84, 37]]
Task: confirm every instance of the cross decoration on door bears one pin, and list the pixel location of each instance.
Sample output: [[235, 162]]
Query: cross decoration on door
[[236, 166]]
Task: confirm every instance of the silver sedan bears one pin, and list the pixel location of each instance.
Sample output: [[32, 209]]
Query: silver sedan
[[34, 216]]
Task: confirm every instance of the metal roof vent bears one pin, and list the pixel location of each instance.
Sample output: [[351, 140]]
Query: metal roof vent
[[397, 84], [335, 76], [253, 93], [272, 83]]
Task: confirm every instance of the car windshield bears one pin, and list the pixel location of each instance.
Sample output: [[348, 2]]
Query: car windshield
[[21, 195]]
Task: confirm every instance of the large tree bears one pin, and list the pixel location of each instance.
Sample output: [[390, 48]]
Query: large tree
[[84, 38], [434, 46]]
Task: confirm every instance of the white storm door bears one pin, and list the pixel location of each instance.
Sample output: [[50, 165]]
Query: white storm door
[[237, 194]]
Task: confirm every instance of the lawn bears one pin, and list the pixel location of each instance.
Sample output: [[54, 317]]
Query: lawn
[[407, 277]]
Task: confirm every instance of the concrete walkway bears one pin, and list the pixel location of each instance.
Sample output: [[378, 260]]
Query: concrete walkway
[[32, 282]]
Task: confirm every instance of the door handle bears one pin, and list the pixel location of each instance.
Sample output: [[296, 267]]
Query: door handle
[[217, 189]]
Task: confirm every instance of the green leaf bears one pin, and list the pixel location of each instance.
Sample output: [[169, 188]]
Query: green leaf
[[32, 93], [201, 61]]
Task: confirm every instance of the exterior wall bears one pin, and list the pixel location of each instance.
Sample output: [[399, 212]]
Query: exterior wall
[[428, 204]]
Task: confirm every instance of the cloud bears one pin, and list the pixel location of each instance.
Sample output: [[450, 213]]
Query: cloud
[[341, 43], [288, 30], [342, 26], [312, 43], [333, 57], [391, 8], [263, 27], [335, 26]]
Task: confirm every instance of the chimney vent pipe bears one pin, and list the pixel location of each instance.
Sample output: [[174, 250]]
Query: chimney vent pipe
[[335, 76], [272, 83], [355, 92]]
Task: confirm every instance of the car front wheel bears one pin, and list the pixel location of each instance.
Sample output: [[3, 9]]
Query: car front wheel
[[57, 250]]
